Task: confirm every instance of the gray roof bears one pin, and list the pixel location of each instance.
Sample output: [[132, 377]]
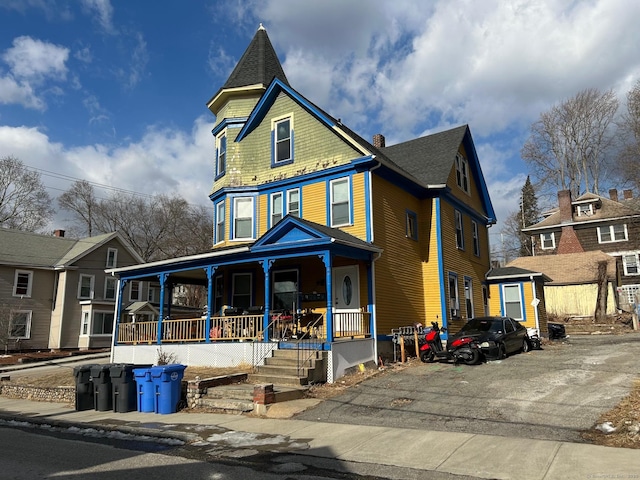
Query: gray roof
[[429, 158], [259, 64], [44, 251], [510, 272]]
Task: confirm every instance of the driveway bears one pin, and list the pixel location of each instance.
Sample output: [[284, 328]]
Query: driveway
[[550, 394]]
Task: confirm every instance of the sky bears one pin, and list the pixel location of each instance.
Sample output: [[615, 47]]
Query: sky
[[114, 92]]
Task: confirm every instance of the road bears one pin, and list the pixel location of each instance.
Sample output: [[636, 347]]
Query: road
[[550, 394]]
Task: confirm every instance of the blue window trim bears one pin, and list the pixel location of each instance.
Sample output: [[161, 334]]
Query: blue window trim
[[220, 138], [411, 215], [286, 198], [232, 217], [215, 222], [349, 179], [275, 164], [455, 220], [270, 204], [228, 122], [523, 310]]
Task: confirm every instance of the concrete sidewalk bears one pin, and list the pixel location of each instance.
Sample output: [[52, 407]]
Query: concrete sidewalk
[[480, 456]]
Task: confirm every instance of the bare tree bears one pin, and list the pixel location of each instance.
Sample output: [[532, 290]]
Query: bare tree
[[570, 145], [24, 202], [629, 133], [81, 200]]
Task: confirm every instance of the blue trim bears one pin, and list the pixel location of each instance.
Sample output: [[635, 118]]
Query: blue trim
[[228, 122], [444, 300], [476, 170], [368, 213], [215, 221], [523, 310], [269, 96], [328, 204], [410, 214], [463, 207], [289, 161], [286, 197], [254, 222], [522, 306]]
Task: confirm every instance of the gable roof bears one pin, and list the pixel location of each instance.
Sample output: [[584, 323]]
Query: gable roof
[[44, 251], [569, 268]]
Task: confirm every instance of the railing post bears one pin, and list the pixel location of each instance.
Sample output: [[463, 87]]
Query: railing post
[[116, 328], [163, 279], [326, 259], [266, 267], [211, 270]]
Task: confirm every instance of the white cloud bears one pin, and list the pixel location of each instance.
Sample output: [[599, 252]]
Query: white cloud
[[104, 13], [34, 60], [137, 64], [20, 93]]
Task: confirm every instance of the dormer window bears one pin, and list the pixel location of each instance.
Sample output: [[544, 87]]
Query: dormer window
[[462, 173], [282, 141], [585, 209], [547, 240]]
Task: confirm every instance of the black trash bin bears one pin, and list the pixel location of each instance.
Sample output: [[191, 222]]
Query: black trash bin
[[84, 387], [102, 400], [123, 383]]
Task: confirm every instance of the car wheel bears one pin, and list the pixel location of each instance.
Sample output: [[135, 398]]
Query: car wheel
[[427, 357], [502, 351], [474, 359], [525, 346]]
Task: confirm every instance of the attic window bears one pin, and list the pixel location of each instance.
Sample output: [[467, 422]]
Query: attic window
[[585, 209], [462, 173], [282, 141]]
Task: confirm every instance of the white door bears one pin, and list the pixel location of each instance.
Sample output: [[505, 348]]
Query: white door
[[346, 294]]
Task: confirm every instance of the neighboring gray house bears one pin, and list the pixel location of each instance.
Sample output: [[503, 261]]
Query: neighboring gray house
[[54, 292]]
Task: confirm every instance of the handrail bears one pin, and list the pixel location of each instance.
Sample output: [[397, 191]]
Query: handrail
[[256, 341], [307, 342]]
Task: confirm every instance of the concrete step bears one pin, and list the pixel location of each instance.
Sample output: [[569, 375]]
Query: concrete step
[[227, 405], [291, 371], [286, 380], [295, 354], [289, 362]]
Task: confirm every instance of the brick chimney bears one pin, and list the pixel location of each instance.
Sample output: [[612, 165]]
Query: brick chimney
[[58, 233], [564, 203], [613, 194], [628, 194], [378, 140]]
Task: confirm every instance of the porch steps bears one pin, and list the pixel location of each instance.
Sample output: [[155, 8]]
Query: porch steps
[[282, 368], [238, 398]]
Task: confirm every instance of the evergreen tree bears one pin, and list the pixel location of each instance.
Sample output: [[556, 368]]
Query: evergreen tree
[[528, 216]]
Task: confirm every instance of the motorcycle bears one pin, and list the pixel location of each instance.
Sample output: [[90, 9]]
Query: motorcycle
[[534, 339], [465, 349]]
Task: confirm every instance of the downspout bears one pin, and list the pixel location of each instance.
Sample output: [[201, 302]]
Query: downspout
[[116, 322], [535, 309], [376, 256]]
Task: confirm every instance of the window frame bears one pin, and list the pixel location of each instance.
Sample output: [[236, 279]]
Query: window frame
[[235, 276], [333, 204], [611, 232], [476, 238], [112, 262], [235, 218], [131, 297], [411, 225], [29, 288], [219, 222], [276, 199], [221, 154], [275, 161], [462, 173], [27, 324], [85, 323], [552, 237], [95, 313], [454, 300], [520, 302], [92, 280], [459, 225], [218, 294], [626, 265], [468, 297], [581, 211], [108, 280], [293, 212], [273, 285]]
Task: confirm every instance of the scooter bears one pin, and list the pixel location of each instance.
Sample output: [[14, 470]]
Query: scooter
[[465, 349], [534, 339]]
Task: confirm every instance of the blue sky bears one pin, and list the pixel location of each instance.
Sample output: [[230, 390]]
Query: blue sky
[[114, 91]]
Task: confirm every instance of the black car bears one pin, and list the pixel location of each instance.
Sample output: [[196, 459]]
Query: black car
[[498, 336]]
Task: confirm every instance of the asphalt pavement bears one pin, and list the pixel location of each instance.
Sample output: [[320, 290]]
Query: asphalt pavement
[[457, 453]]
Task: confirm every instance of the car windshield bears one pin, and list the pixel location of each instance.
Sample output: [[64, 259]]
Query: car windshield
[[483, 325]]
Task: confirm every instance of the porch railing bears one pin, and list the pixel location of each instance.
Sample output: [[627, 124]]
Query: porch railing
[[351, 324]]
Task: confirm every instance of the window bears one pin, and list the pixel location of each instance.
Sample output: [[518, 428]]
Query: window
[[20, 324], [22, 283], [584, 209], [628, 293], [462, 173], [241, 290], [276, 208], [512, 301], [152, 294], [459, 231], [112, 257], [476, 238], [547, 240], [85, 323], [85, 286], [102, 323], [221, 155], [468, 296], [110, 288], [293, 202], [454, 302], [411, 227], [218, 290], [340, 205], [282, 143], [285, 290], [135, 293], [219, 234], [243, 218], [485, 300], [612, 233], [630, 263]]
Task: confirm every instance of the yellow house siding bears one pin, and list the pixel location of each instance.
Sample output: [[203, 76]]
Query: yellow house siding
[[399, 282], [472, 198], [314, 201], [358, 228], [238, 107]]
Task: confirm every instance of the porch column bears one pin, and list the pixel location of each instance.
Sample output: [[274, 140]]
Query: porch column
[[370, 297], [121, 284], [211, 270], [163, 279], [267, 263], [326, 259]]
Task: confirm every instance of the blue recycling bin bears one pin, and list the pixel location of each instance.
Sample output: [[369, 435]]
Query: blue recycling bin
[[145, 392], [167, 383]]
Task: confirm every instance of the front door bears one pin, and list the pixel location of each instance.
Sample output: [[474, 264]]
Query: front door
[[346, 293]]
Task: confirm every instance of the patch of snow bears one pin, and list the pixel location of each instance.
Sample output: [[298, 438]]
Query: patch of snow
[[606, 427]]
